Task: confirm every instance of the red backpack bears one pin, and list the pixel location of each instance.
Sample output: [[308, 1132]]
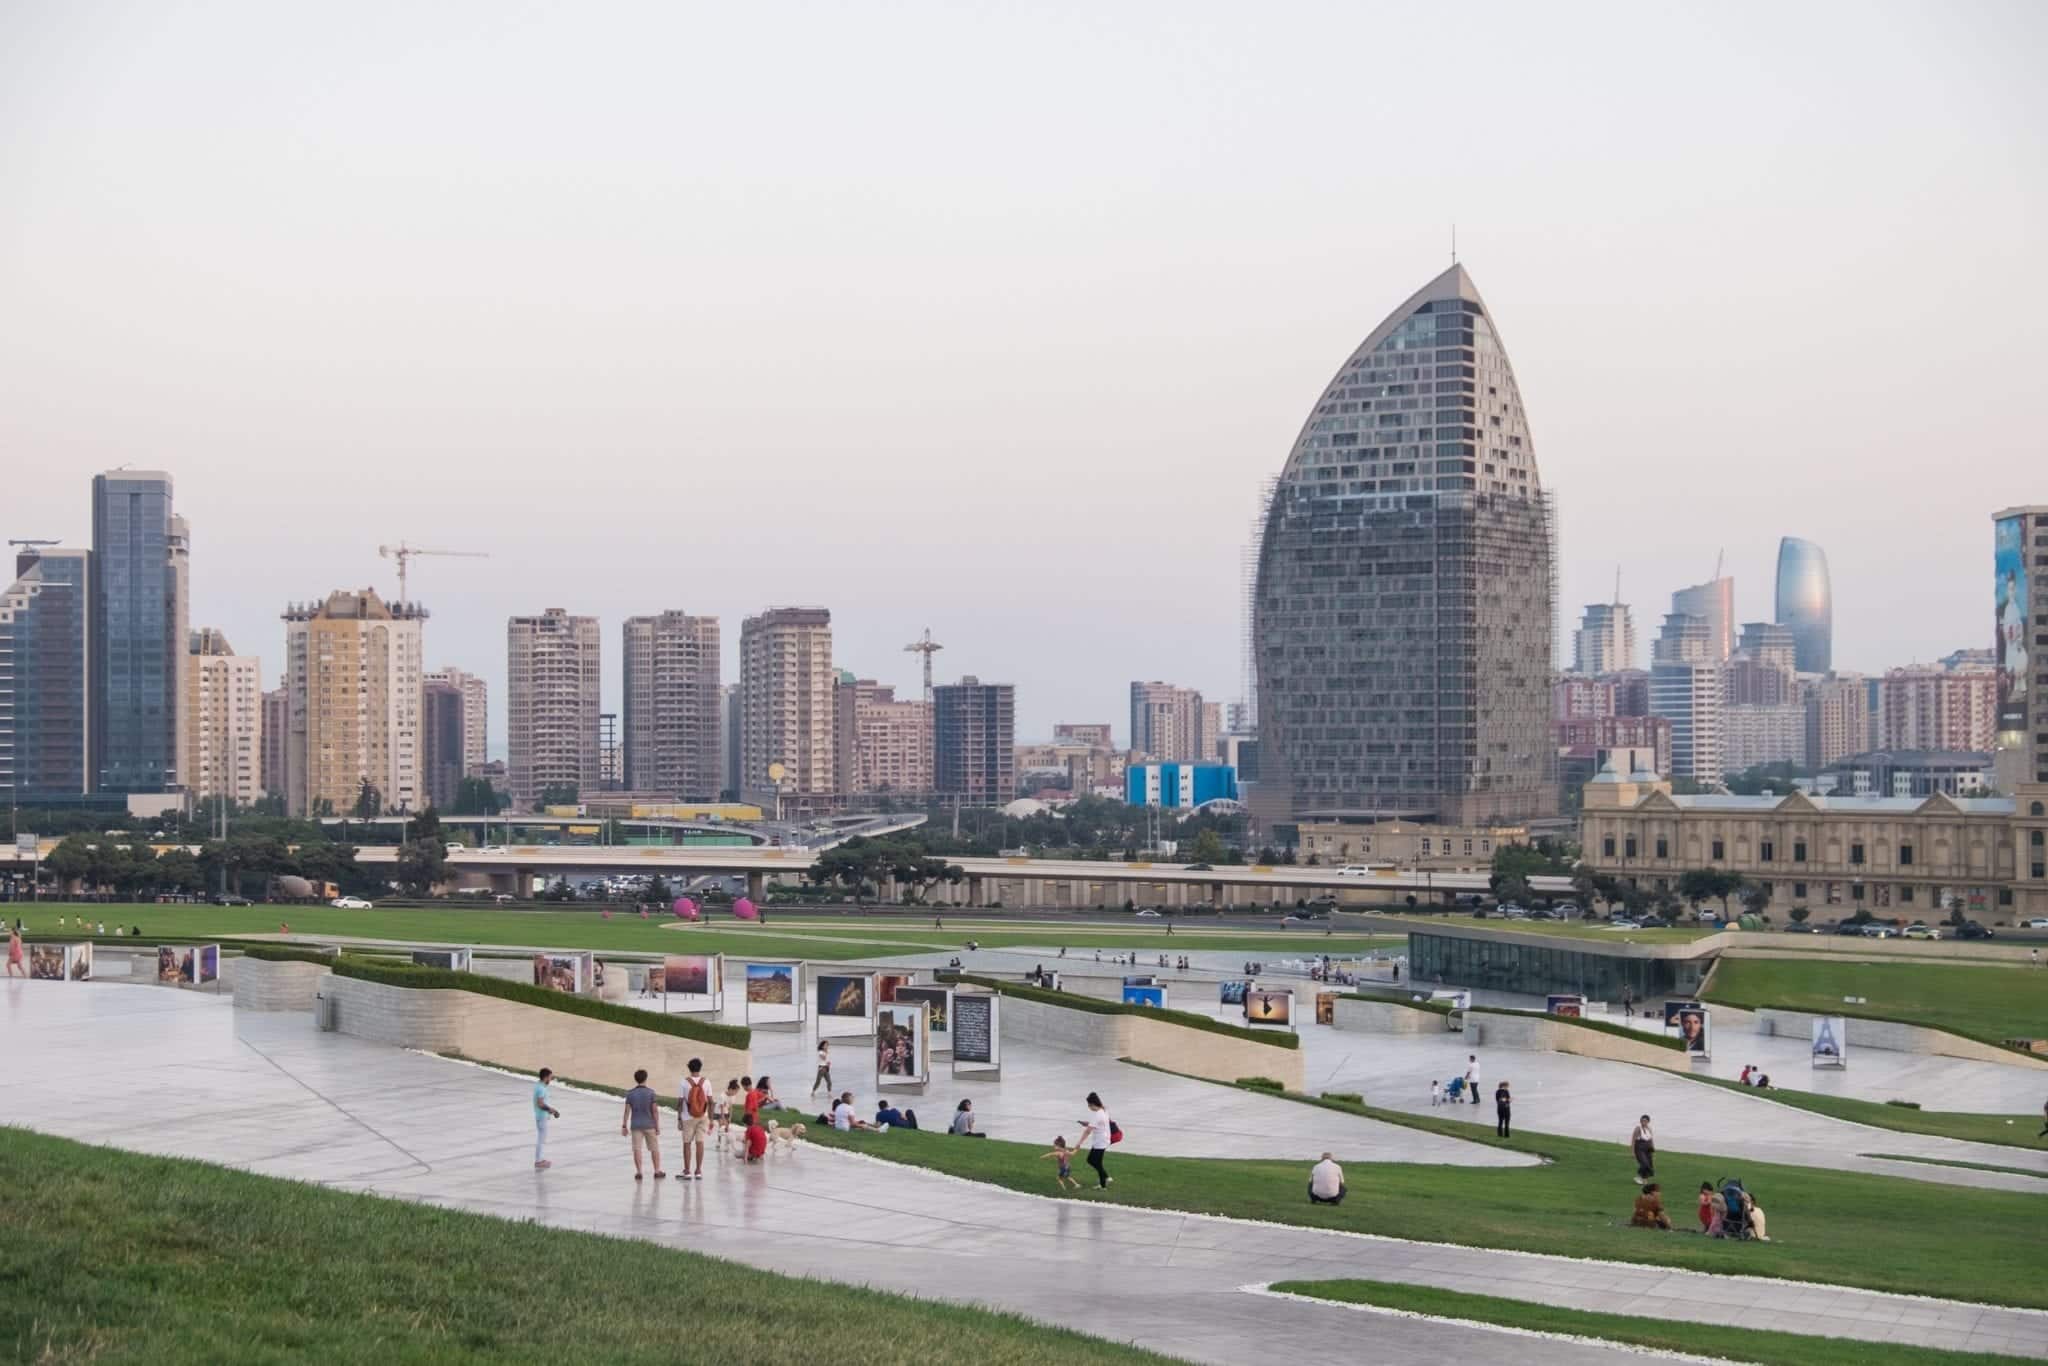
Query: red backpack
[[698, 1100]]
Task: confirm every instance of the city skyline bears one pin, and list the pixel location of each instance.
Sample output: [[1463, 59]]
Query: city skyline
[[604, 381]]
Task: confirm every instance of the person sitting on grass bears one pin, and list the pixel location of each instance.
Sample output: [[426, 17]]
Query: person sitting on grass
[[963, 1122], [1713, 1210], [1650, 1209], [1756, 1217], [1065, 1155], [1326, 1182], [887, 1116], [843, 1118]]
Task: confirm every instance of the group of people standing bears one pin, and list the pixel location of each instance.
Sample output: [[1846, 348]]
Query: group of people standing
[[699, 1114]]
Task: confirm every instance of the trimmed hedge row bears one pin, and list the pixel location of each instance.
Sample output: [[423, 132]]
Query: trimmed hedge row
[[272, 953], [1432, 1007], [526, 994], [1187, 1019], [1599, 1026]]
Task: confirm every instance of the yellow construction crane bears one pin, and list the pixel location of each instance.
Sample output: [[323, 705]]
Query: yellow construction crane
[[927, 647], [403, 552]]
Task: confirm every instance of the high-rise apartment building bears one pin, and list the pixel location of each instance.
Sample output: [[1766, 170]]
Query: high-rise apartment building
[[1605, 642], [1770, 643], [974, 749], [1170, 723], [1769, 733], [1631, 692], [277, 717], [1935, 708], [1575, 696], [1837, 718], [140, 563], [672, 743], [1747, 682], [46, 676], [353, 665], [1806, 604], [729, 729], [552, 674], [1405, 607], [1094, 734], [1586, 738], [224, 736], [788, 707], [1686, 689], [476, 713], [884, 745], [1713, 602], [441, 727]]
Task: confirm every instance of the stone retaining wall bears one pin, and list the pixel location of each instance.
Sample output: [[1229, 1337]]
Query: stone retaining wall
[[260, 984], [1541, 1034], [527, 1037], [1384, 1017], [1891, 1036], [1160, 1042]]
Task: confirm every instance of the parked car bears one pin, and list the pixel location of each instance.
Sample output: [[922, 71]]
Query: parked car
[[1876, 931], [1920, 930], [1546, 913], [453, 846], [1799, 928], [230, 899], [1510, 911], [492, 849], [1201, 868], [1148, 914], [1970, 929], [1623, 924], [1848, 927], [1653, 922], [1566, 909], [504, 898], [2038, 923], [351, 903], [1357, 870]]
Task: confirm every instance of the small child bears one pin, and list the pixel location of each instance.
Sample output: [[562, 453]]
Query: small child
[[757, 1140], [1065, 1154], [1436, 1092], [723, 1110]]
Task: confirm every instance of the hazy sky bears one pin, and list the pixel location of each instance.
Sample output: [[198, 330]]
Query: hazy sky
[[993, 318]]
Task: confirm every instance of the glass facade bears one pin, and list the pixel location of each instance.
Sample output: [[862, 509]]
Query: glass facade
[[1806, 604], [137, 645], [1404, 611], [1536, 970], [44, 714]]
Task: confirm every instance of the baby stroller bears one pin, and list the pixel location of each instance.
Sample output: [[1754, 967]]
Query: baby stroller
[[1736, 1223], [1455, 1087]]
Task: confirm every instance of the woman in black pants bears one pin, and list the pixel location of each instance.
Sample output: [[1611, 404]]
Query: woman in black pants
[[1095, 1134]]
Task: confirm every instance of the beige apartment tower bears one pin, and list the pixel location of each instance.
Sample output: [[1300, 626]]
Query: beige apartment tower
[[1173, 725], [884, 745], [788, 706], [352, 697], [224, 706], [476, 714], [552, 664], [672, 743]]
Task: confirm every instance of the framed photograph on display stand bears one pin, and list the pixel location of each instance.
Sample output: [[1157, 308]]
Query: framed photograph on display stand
[[887, 984], [846, 1005], [977, 1034], [689, 983], [1151, 997], [903, 1059], [775, 994], [78, 962], [1830, 1041], [453, 960], [569, 973], [1265, 1006], [938, 1002]]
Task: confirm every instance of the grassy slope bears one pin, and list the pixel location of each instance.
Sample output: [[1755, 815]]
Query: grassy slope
[[1736, 1344], [784, 936], [1840, 1228], [2013, 1131], [113, 1257], [1984, 1000]]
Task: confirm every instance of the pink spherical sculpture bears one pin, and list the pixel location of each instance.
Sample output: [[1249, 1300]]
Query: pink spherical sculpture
[[685, 908], [743, 909]]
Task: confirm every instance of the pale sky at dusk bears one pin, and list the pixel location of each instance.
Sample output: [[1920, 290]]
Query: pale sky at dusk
[[993, 319]]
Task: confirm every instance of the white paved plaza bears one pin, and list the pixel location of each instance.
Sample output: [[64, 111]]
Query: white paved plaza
[[272, 1094]]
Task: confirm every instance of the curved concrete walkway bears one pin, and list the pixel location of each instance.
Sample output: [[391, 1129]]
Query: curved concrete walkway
[[270, 1093]]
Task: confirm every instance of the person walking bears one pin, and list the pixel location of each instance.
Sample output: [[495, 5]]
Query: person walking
[[542, 1113], [1472, 1076], [1644, 1145], [14, 968], [1503, 1105], [693, 1118], [1628, 1003], [1097, 1133], [642, 1121], [824, 1077]]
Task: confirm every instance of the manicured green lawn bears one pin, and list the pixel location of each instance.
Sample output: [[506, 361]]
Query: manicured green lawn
[[2014, 1131], [1982, 1000], [1842, 1228], [1735, 1344], [108, 1256], [784, 936]]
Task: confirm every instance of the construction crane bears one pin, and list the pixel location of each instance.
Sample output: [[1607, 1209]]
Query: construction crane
[[403, 552], [927, 647], [31, 542]]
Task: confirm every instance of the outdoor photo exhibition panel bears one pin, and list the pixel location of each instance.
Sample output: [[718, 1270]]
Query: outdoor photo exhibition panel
[[903, 1046], [1154, 997], [845, 1005], [689, 983], [939, 1004], [1830, 1041], [570, 973], [454, 960], [887, 984], [1267, 1006], [775, 993], [977, 1034], [186, 965]]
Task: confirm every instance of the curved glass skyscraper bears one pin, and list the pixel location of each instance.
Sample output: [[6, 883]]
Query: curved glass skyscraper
[[1806, 604], [1404, 612]]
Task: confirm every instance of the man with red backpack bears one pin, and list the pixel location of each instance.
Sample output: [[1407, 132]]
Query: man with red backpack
[[693, 1117]]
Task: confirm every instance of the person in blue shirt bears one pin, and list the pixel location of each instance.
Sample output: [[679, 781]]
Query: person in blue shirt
[[887, 1114], [542, 1113]]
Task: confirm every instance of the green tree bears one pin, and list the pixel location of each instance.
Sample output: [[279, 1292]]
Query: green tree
[[557, 794], [1208, 848], [422, 865], [369, 801], [177, 870], [1756, 897], [476, 797], [659, 892], [560, 890], [1799, 914]]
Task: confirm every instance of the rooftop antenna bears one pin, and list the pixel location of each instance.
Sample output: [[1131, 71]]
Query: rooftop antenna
[[1617, 585], [1719, 556], [1454, 244]]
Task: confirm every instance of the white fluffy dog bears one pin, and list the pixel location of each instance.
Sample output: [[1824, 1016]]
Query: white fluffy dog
[[783, 1141]]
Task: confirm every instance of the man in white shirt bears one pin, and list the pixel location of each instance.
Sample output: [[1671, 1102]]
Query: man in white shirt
[[1326, 1182], [1472, 1075]]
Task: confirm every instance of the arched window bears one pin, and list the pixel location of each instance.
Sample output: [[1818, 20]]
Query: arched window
[[2036, 810]]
